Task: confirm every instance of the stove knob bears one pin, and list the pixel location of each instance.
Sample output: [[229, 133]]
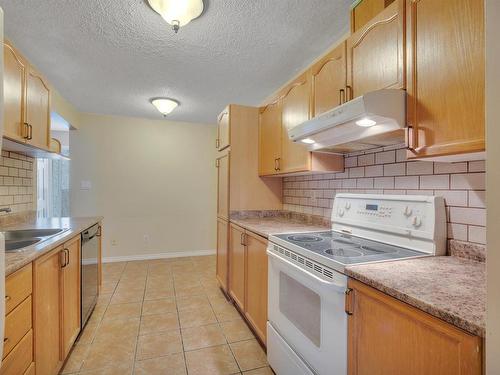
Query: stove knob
[[340, 212], [347, 205], [416, 221], [407, 211]]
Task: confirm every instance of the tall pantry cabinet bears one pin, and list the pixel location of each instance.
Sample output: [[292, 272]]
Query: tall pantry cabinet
[[239, 187]]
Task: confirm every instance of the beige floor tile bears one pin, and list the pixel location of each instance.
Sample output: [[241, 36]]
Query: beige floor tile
[[127, 297], [108, 287], [185, 291], [117, 328], [192, 302], [158, 323], [249, 354], [159, 283], [152, 294], [124, 288], [109, 352], [169, 365], [159, 344], [236, 330], [159, 306], [186, 283], [202, 337], [114, 370], [226, 314], [196, 318], [123, 311], [260, 371], [76, 358], [104, 298], [88, 333], [216, 360]]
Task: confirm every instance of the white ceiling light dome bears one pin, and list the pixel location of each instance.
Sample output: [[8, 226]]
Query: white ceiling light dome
[[177, 12], [164, 105]]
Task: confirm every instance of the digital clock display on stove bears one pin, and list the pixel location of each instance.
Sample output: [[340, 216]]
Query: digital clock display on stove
[[372, 207]]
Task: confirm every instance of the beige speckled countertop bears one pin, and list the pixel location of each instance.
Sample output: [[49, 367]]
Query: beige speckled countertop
[[17, 259], [450, 288], [264, 226]]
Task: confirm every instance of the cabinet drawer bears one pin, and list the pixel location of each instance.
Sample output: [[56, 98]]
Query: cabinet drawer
[[17, 324], [20, 358], [30, 370], [17, 287]]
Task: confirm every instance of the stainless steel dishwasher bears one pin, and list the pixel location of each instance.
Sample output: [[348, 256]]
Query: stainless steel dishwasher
[[89, 271]]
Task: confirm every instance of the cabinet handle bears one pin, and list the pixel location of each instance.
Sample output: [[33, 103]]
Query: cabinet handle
[[348, 91], [26, 130], [99, 231], [277, 164], [66, 256], [30, 136], [5, 340], [242, 239], [7, 298], [341, 96], [217, 143], [63, 254], [348, 301]]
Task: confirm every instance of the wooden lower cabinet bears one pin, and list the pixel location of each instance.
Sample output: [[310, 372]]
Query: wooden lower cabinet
[[256, 283], [71, 295], [389, 337], [237, 256], [222, 255], [20, 358]]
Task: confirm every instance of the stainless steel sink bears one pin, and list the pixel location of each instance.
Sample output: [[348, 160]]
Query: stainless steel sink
[[16, 240], [23, 234], [13, 245]]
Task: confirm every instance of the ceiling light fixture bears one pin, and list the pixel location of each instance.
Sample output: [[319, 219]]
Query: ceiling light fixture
[[366, 122], [308, 141], [164, 105], [177, 12]]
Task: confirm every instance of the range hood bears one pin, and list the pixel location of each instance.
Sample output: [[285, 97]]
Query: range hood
[[372, 120]]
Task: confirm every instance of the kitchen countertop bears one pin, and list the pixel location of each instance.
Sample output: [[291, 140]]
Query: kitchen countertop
[[264, 226], [17, 259], [447, 287]]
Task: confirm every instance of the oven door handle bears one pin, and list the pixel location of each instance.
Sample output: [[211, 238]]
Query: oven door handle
[[337, 286]]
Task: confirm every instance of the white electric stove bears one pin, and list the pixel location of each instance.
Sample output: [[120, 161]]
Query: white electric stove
[[307, 328]]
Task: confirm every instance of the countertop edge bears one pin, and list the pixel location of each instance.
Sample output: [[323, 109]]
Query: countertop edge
[[303, 227], [430, 309], [48, 245]]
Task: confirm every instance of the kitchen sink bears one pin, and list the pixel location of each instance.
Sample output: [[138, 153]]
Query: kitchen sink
[[16, 240], [13, 245]]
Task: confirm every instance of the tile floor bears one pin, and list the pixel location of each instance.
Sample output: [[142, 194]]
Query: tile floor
[[165, 316]]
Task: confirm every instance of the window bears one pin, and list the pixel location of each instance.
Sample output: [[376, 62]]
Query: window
[[52, 188]]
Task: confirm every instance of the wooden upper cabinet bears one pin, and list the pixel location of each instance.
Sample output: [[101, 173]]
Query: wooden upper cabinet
[[14, 84], [365, 10], [296, 103], [328, 77], [375, 53], [223, 129], [38, 109], [389, 337], [256, 284], [445, 78], [222, 163], [237, 255], [221, 272], [71, 294], [270, 138]]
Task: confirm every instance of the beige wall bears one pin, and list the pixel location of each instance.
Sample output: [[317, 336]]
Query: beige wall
[[493, 181], [64, 108], [149, 177]]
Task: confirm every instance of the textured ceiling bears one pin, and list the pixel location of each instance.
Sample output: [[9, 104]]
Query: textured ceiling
[[112, 56]]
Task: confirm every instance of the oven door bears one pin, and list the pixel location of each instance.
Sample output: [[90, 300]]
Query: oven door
[[307, 310]]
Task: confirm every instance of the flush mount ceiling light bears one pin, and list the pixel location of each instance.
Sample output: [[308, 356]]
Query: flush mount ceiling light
[[308, 141], [366, 122], [177, 12], [164, 105]]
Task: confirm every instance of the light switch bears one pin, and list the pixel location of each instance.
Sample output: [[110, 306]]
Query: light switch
[[85, 185]]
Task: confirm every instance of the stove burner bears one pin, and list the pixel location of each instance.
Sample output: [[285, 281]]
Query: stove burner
[[343, 253], [305, 238]]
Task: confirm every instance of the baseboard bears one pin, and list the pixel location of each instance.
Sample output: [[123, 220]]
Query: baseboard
[[175, 254]]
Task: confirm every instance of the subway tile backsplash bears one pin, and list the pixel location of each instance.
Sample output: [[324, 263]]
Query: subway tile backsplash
[[17, 182], [386, 171]]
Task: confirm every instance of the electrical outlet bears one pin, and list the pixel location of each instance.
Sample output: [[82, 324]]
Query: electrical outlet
[[114, 242]]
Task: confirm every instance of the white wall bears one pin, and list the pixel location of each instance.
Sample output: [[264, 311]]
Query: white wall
[[492, 12], [149, 177]]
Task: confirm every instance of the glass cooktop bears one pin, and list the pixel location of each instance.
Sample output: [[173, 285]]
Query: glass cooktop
[[347, 249]]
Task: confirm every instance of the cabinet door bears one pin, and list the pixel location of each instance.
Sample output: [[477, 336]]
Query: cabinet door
[[38, 109], [445, 77], [388, 337], [364, 11], [270, 138], [256, 284], [329, 80], [296, 109], [71, 295], [237, 265], [222, 255], [223, 130], [14, 85], [223, 186], [375, 53], [47, 309]]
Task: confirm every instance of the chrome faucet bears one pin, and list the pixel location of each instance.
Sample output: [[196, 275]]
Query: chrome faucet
[[5, 209]]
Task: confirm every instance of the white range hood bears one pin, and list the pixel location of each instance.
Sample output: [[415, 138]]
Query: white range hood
[[372, 120]]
